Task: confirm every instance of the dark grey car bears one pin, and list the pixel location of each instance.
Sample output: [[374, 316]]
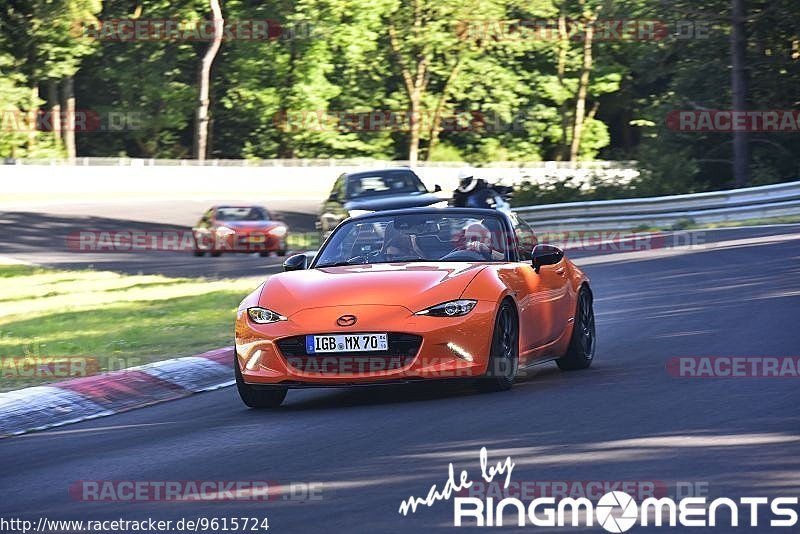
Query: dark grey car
[[383, 189]]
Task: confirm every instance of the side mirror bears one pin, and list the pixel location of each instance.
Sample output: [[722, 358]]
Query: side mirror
[[437, 188], [334, 197], [298, 262], [546, 255]]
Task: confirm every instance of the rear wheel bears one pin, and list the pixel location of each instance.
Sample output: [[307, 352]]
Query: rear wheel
[[257, 397], [504, 356], [215, 253], [199, 252], [580, 352], [263, 253]]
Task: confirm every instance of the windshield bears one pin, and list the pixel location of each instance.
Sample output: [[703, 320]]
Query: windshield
[[384, 183], [417, 237], [245, 213]]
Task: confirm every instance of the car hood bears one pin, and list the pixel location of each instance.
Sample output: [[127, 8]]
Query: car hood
[[391, 202], [413, 285]]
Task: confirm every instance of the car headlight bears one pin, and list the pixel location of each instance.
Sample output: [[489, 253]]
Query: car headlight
[[454, 308], [442, 204], [264, 316], [224, 230], [278, 231], [356, 213]]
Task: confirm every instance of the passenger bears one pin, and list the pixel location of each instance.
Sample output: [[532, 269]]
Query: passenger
[[478, 238]]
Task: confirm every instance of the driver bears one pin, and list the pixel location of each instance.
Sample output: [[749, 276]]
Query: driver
[[400, 245], [478, 238]]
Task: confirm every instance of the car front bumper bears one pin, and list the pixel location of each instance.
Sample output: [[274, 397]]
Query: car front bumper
[[450, 347]]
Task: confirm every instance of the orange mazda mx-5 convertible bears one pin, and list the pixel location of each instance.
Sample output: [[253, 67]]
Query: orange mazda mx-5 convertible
[[414, 294]]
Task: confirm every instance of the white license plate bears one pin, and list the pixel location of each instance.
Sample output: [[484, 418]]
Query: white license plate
[[346, 343]]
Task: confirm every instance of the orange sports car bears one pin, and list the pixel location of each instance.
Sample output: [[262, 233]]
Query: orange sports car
[[414, 294]]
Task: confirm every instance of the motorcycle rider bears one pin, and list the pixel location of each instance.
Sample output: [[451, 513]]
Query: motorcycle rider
[[473, 192], [468, 185]]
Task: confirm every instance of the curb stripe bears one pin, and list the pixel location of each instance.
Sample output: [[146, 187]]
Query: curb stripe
[[223, 356], [191, 373], [41, 407], [124, 390], [80, 399]]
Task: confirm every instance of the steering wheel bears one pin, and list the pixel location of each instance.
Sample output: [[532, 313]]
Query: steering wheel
[[365, 258], [464, 255]]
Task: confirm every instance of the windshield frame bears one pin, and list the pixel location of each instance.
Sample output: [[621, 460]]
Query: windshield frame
[[478, 213]]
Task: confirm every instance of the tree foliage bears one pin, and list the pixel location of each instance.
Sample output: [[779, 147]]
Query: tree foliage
[[469, 80]]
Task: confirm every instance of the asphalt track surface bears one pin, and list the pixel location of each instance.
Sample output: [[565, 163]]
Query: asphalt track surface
[[47, 237], [625, 418], [50, 239]]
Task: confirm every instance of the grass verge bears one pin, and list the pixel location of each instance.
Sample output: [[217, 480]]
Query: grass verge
[[98, 321]]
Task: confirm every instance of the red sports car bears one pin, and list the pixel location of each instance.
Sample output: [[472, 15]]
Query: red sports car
[[239, 229], [414, 294]]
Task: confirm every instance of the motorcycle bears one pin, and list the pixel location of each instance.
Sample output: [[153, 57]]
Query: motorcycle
[[480, 194]]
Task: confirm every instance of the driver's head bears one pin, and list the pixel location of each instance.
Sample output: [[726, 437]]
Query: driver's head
[[399, 246], [478, 232]]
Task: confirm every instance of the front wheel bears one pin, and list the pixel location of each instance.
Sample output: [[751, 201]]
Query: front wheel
[[254, 397], [504, 356], [580, 352]]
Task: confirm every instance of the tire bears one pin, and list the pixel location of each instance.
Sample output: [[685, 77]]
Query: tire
[[197, 250], [255, 397], [263, 254], [216, 254], [281, 253], [504, 355], [580, 352]]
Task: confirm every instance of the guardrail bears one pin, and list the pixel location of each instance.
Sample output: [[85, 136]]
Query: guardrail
[[101, 179], [319, 162], [718, 206]]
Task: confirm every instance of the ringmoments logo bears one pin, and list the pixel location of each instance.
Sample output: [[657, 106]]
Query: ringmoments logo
[[615, 511]]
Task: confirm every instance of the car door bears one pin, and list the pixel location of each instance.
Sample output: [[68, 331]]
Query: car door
[[543, 297]]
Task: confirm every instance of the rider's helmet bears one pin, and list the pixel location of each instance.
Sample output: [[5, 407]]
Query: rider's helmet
[[467, 180]]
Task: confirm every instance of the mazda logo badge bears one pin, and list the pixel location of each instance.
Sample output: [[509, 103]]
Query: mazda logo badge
[[346, 320]]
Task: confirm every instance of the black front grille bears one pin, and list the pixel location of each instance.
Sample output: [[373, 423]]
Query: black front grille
[[402, 350]]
